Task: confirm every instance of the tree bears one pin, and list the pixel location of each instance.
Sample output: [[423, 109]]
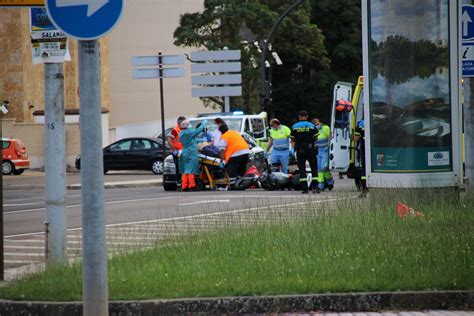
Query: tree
[[299, 43], [340, 23]]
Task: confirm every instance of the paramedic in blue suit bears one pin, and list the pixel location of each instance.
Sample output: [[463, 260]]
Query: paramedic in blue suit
[[303, 136]]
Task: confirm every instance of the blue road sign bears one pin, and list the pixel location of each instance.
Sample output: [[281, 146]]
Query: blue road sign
[[467, 20], [467, 33], [85, 19]]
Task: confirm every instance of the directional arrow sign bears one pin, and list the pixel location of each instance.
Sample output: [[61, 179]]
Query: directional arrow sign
[[216, 80], [217, 92], [155, 73], [85, 19], [467, 19], [215, 55], [216, 67], [154, 60]]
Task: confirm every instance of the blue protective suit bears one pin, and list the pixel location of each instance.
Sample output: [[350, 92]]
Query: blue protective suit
[[189, 162]]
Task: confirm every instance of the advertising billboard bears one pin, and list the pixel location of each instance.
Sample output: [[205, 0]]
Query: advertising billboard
[[412, 76]]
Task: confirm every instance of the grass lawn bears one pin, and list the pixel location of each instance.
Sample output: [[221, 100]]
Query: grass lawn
[[350, 246]]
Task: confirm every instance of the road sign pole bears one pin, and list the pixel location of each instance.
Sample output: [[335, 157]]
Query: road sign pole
[[162, 100], [226, 104], [55, 163], [469, 131], [95, 281]]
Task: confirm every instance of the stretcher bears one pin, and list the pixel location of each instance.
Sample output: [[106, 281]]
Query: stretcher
[[212, 173]]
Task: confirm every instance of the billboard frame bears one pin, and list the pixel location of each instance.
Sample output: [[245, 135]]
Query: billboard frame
[[452, 178]]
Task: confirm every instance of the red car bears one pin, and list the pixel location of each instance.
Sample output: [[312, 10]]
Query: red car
[[14, 157]]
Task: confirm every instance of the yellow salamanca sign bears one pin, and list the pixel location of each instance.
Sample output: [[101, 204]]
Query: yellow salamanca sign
[[21, 3]]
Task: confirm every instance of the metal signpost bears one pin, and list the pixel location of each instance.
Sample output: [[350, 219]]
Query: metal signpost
[[88, 20], [152, 73], [467, 55], [49, 46], [221, 77]]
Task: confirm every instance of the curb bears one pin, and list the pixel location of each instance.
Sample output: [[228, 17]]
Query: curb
[[122, 185], [350, 302]]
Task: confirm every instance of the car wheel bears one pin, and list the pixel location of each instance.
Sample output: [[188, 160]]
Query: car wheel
[[18, 172], [157, 166], [7, 168], [169, 187]]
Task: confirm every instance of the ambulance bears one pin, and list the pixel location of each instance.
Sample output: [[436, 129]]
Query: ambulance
[[347, 110]]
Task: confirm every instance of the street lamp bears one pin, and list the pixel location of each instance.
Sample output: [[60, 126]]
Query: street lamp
[[264, 44]]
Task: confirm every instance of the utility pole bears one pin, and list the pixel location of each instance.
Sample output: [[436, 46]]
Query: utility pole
[[95, 280], [55, 163], [264, 44]]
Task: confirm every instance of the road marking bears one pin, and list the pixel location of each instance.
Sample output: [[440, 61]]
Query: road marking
[[106, 203], [34, 197], [204, 202], [198, 215], [227, 212], [23, 254], [20, 261], [23, 247], [23, 204]]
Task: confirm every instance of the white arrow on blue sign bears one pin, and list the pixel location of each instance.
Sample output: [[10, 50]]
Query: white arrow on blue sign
[[85, 19]]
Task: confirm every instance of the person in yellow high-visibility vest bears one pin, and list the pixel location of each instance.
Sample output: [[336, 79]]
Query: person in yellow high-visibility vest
[[280, 142], [323, 137]]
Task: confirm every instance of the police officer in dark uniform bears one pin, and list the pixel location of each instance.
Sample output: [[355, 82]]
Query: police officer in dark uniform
[[303, 136]]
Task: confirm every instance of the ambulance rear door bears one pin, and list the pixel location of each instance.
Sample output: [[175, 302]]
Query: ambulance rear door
[[339, 150]]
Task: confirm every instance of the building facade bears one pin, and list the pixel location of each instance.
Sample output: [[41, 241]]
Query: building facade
[[130, 107], [147, 27]]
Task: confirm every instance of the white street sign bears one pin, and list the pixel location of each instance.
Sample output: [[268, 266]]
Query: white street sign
[[215, 55], [216, 80], [154, 60], [217, 92], [155, 73], [216, 67]]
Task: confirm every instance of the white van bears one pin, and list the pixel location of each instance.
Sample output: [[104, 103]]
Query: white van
[[255, 125]]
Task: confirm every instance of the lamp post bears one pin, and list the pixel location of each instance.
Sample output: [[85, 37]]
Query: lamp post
[[264, 91]]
